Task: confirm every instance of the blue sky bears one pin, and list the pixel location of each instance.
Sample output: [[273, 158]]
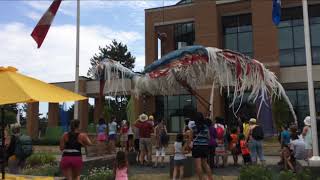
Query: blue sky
[[101, 21]]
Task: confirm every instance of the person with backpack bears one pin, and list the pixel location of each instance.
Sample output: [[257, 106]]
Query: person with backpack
[[162, 140], [19, 149], [220, 150], [256, 136], [212, 143], [70, 144]]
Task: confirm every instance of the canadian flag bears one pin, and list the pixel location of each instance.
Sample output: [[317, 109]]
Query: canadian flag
[[42, 28]]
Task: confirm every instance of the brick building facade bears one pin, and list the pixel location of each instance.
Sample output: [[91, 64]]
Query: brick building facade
[[241, 25]]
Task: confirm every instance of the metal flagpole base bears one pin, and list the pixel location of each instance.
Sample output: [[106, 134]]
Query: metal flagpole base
[[314, 161]]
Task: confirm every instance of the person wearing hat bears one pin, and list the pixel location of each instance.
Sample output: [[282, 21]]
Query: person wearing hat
[[307, 136], [145, 145], [255, 141]]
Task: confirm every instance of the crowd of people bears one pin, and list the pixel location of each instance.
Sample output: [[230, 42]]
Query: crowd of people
[[207, 141]]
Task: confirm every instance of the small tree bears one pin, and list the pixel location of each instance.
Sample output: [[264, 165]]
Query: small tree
[[281, 113]]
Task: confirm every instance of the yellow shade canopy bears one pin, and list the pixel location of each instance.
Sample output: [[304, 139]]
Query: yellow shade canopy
[[18, 88]]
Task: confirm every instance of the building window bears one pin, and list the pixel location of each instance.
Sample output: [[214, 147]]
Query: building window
[[184, 34], [291, 36], [300, 101], [171, 108], [237, 31]]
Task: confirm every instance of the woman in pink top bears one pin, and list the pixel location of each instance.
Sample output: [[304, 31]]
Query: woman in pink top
[[120, 168]]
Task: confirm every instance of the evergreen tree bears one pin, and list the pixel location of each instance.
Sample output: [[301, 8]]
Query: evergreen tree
[[10, 113], [115, 51]]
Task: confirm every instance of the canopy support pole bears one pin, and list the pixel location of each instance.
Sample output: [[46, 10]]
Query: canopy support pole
[[2, 155], [201, 99]]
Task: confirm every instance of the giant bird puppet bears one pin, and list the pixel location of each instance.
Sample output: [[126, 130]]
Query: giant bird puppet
[[194, 66]]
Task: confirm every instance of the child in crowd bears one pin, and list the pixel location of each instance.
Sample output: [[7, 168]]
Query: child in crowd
[[180, 148], [101, 136], [124, 135], [233, 145], [289, 159], [130, 138], [244, 149], [120, 169], [220, 149], [101, 131]]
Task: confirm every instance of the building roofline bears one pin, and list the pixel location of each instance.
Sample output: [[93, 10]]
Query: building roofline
[[168, 7], [177, 5]]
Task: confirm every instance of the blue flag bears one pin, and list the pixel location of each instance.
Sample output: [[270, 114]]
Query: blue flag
[[64, 117], [276, 12]]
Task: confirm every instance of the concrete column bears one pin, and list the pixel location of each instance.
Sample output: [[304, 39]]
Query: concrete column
[[53, 115], [33, 120], [150, 104], [83, 105], [137, 106], [84, 114], [98, 109]]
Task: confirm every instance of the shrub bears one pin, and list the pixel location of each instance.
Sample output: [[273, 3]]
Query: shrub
[[40, 159], [44, 170], [99, 173], [264, 173], [304, 175], [287, 175], [255, 173]]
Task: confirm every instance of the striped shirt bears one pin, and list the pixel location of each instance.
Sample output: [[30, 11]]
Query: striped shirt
[[200, 137]]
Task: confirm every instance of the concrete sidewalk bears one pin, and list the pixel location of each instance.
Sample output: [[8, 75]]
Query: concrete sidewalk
[[229, 170]]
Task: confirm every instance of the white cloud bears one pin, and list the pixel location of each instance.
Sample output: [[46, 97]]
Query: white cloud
[[66, 7], [55, 60], [140, 63], [34, 15], [132, 4], [69, 7]]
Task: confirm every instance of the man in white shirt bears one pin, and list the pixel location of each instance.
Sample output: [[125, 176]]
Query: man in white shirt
[[297, 145]]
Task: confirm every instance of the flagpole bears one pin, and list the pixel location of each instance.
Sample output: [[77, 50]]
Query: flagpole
[[315, 160], [76, 88]]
